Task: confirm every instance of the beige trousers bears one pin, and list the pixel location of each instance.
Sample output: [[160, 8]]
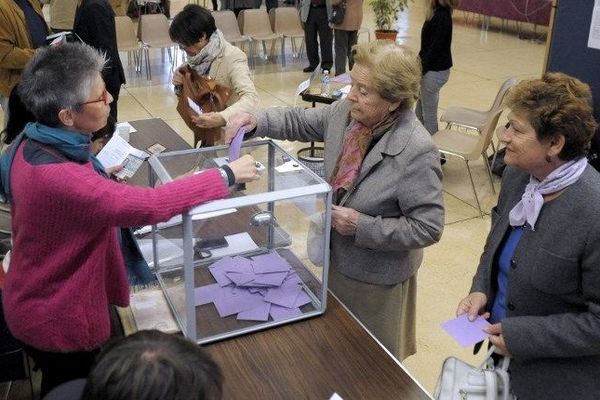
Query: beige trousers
[[388, 311]]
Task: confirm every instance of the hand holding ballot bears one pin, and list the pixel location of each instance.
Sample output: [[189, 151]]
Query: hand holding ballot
[[239, 121]]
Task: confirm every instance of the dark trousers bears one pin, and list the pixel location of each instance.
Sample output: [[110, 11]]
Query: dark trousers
[[317, 23], [58, 368], [271, 4], [114, 92], [344, 40]]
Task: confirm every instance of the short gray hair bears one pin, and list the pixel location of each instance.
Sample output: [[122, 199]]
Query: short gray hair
[[395, 70], [59, 77]]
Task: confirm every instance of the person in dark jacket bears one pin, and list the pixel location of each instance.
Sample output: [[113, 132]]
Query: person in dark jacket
[[538, 279], [95, 25], [436, 59]]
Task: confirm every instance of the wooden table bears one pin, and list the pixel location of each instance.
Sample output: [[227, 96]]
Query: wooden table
[[308, 359], [312, 359], [150, 131]]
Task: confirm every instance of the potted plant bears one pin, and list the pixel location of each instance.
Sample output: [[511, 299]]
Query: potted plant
[[386, 14]]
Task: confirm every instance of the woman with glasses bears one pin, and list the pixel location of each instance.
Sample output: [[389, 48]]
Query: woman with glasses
[[67, 267], [210, 54]]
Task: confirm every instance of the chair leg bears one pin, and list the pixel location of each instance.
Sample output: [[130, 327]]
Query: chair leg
[[264, 46], [148, 69], [474, 190], [489, 171], [283, 52]]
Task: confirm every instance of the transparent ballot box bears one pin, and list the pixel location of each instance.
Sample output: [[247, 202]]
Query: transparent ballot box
[[254, 260]]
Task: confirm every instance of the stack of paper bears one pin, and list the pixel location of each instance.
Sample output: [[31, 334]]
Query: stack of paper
[[254, 288]]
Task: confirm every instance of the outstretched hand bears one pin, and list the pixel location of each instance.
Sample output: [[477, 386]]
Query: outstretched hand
[[237, 121]]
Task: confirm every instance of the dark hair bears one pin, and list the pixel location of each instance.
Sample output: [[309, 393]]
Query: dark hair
[[152, 365], [557, 104], [59, 77], [191, 25], [107, 131], [18, 116]]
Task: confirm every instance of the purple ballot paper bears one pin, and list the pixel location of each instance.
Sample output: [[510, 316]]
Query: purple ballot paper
[[466, 332], [236, 145]]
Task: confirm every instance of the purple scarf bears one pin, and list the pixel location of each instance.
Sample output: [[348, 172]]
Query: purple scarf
[[528, 209]]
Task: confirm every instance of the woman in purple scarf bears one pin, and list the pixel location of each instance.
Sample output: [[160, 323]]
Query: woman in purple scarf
[[538, 280]]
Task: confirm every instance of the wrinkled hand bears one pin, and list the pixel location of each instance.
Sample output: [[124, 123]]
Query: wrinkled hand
[[497, 339], [237, 121], [208, 120], [177, 78], [344, 220], [244, 169], [472, 305]]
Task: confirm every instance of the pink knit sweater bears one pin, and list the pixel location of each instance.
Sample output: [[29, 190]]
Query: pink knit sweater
[[66, 267]]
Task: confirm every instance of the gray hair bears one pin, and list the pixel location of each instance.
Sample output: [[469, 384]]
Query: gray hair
[[59, 77]]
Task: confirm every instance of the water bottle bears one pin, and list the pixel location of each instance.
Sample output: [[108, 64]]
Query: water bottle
[[325, 90]]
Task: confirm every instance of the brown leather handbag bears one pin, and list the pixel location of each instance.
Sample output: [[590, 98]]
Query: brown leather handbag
[[209, 95]]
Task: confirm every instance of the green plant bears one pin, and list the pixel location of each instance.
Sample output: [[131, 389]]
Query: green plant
[[386, 12]]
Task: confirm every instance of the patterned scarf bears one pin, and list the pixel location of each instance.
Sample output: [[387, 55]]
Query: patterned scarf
[[73, 145], [202, 61], [529, 207], [357, 141]]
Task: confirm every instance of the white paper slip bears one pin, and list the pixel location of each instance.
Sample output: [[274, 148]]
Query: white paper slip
[[289, 166], [346, 89], [302, 86], [117, 150], [335, 396], [125, 124], [194, 106]]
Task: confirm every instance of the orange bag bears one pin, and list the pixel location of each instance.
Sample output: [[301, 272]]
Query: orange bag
[[209, 95]]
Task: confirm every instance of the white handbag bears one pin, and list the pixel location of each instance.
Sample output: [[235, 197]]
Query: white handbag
[[461, 381]]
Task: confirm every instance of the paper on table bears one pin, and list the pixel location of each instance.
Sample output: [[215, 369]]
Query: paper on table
[[466, 332], [117, 150], [125, 124], [288, 167], [236, 144], [195, 107]]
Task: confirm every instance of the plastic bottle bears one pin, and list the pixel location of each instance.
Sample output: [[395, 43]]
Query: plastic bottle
[[325, 87]]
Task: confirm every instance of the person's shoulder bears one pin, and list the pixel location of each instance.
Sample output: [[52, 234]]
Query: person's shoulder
[[232, 52]]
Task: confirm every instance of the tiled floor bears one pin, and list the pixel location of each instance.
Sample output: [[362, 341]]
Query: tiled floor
[[482, 61]]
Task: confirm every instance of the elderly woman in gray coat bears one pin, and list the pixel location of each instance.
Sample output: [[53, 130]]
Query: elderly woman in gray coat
[[538, 280], [378, 156]]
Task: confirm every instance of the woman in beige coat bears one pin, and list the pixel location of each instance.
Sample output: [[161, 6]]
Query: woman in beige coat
[[346, 34], [210, 54]]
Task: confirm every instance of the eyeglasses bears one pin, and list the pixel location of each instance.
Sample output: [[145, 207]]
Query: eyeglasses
[[103, 98]]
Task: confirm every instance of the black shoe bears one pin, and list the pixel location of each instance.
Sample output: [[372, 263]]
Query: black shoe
[[442, 159], [309, 69]]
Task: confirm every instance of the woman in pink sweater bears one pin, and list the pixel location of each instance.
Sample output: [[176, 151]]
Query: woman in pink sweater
[[67, 266]]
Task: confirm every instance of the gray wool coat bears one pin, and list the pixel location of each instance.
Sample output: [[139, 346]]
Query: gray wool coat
[[398, 192], [552, 324]]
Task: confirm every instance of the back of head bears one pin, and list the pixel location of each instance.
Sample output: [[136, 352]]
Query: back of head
[[557, 104], [59, 77], [395, 70], [191, 24], [152, 365]]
